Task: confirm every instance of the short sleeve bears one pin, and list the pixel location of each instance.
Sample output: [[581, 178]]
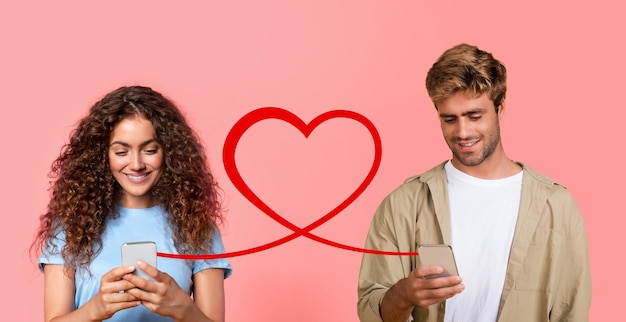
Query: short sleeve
[[217, 247], [51, 252]]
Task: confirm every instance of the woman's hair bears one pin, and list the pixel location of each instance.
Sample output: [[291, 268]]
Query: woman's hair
[[84, 191], [466, 68]]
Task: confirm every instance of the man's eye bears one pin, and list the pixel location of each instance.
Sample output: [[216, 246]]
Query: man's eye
[[449, 120], [474, 117]]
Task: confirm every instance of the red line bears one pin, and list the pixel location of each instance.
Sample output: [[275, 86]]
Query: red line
[[230, 146]]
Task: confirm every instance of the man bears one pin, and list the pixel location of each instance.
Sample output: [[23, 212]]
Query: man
[[518, 237]]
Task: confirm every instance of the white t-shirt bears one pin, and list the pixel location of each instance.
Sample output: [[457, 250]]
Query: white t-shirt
[[483, 214]]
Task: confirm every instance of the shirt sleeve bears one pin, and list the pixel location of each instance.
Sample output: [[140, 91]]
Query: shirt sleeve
[[379, 272], [573, 296], [217, 247], [51, 253]]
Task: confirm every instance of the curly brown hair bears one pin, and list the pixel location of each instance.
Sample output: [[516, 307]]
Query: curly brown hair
[[84, 191]]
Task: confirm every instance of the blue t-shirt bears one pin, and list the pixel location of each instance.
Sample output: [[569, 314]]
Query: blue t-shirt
[[147, 224]]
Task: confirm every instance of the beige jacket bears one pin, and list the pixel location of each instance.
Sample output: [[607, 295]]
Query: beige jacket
[[548, 276]]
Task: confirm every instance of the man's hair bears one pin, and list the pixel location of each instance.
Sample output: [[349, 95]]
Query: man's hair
[[466, 68]]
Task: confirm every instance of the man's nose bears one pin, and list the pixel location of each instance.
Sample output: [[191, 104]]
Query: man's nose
[[463, 129]]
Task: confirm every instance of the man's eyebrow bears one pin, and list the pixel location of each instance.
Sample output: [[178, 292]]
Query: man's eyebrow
[[474, 111], [128, 145], [466, 113]]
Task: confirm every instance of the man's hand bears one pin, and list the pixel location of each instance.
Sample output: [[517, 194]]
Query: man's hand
[[417, 290]]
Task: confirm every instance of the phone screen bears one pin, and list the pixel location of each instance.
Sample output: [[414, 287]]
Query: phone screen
[[139, 251], [437, 255]]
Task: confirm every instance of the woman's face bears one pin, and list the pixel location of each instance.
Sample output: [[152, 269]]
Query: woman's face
[[136, 161]]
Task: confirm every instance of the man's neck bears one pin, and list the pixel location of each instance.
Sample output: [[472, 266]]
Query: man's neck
[[497, 166]]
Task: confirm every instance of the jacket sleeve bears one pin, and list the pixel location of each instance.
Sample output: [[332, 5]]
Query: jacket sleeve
[[379, 272], [573, 295]]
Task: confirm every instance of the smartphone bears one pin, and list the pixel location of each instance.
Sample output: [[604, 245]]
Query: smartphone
[[144, 251], [437, 255]]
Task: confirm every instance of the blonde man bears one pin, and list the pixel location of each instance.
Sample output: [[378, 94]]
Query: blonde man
[[518, 237]]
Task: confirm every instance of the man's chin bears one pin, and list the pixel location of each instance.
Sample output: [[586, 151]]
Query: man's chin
[[469, 161]]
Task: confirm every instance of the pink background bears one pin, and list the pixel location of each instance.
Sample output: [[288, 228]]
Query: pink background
[[222, 59]]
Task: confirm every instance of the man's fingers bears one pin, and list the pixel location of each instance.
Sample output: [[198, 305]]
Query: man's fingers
[[424, 271], [430, 293]]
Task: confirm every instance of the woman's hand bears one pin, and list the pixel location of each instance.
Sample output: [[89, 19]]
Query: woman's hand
[[59, 293], [113, 294], [163, 296]]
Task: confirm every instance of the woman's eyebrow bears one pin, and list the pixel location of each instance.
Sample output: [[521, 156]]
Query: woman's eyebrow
[[128, 145]]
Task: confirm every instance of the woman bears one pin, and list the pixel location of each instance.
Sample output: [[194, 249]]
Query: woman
[[133, 171]]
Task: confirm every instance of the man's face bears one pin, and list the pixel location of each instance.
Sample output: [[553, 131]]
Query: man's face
[[471, 128]]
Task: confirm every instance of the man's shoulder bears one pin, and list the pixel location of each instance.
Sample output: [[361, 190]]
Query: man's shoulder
[[539, 180], [539, 177], [434, 172], [416, 184], [536, 175], [437, 176]]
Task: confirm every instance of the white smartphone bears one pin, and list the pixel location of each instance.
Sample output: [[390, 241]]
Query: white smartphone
[[145, 251], [437, 255]]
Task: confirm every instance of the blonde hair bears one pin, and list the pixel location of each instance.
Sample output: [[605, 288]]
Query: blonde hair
[[466, 68]]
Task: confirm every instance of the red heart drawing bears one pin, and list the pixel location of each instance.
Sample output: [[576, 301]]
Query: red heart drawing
[[230, 145]]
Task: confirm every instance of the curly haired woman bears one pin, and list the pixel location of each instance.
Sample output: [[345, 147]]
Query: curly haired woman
[[133, 171]]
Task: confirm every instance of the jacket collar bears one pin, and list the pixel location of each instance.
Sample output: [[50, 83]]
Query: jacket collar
[[536, 189]]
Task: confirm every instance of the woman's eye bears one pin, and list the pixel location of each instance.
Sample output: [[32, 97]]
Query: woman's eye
[[121, 153]]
